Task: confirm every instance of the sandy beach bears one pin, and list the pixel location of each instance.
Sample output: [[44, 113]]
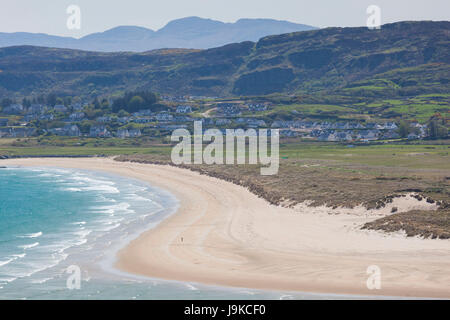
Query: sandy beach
[[224, 235]]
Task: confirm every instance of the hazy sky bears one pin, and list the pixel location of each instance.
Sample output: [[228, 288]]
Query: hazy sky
[[49, 16]]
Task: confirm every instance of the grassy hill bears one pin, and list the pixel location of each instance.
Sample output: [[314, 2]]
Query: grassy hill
[[400, 59]]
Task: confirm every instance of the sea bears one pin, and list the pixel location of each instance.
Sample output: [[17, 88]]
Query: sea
[[60, 231]]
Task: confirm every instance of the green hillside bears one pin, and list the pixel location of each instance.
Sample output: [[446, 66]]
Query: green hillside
[[400, 59]]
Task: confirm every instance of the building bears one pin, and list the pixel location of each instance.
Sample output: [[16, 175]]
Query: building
[[142, 120], [222, 122], [289, 133], [124, 120], [123, 133], [257, 107], [282, 124], [104, 119], [46, 117], [60, 108], [368, 135], [77, 116], [14, 109], [99, 132], [72, 130], [184, 109], [256, 123], [69, 130], [390, 134], [11, 132], [143, 113], [30, 117], [171, 126], [413, 136], [229, 109], [76, 107], [36, 109], [5, 132], [344, 136], [164, 116], [132, 133]]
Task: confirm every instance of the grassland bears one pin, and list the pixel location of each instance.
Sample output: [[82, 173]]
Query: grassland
[[325, 107]]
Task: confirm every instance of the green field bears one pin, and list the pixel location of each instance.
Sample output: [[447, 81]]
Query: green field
[[386, 155]]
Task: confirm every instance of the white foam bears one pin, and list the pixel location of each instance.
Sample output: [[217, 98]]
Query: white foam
[[110, 228], [13, 258], [191, 287], [79, 223], [41, 281], [73, 189], [4, 263], [32, 235], [92, 181], [7, 280], [136, 197], [120, 207], [103, 188], [29, 246], [49, 175], [82, 233]]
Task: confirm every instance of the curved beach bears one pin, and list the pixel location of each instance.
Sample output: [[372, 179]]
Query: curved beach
[[223, 234]]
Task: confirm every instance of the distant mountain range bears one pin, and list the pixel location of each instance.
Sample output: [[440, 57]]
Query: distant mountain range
[[404, 58], [191, 32]]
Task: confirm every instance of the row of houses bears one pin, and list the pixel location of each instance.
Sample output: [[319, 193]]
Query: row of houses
[[229, 109], [342, 125], [39, 109], [68, 130], [258, 107], [17, 132], [352, 135], [184, 109], [41, 117], [97, 131], [343, 135], [13, 109], [252, 122], [131, 133]]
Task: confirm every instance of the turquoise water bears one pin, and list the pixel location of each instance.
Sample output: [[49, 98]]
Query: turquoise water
[[53, 218]]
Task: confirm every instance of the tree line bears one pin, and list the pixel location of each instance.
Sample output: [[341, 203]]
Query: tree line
[[134, 101]]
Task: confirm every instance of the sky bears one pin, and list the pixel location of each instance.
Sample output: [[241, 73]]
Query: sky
[[50, 16]]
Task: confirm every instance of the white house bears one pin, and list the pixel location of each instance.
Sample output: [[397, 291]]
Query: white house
[[60, 108], [184, 109]]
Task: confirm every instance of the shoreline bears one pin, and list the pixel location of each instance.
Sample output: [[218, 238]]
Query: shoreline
[[225, 235]]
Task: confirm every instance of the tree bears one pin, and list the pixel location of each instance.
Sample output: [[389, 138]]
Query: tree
[[51, 99], [404, 129], [26, 103], [105, 103], [437, 129], [6, 102], [97, 104], [135, 101], [67, 101], [123, 113]]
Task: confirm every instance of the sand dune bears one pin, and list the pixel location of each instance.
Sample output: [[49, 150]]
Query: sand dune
[[223, 234]]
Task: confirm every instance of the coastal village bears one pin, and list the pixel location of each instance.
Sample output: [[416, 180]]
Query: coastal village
[[75, 120]]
